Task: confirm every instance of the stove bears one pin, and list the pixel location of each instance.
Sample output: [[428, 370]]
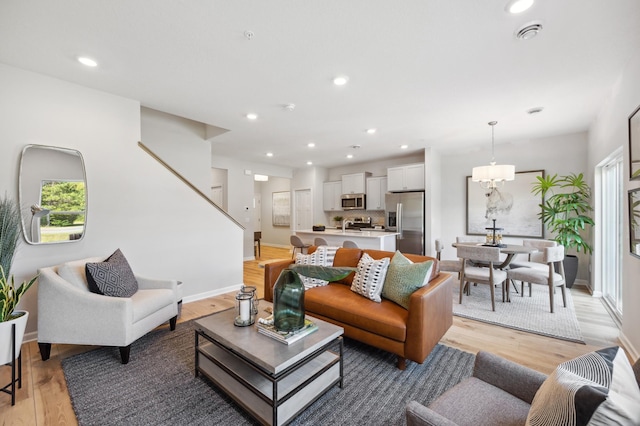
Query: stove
[[359, 223]]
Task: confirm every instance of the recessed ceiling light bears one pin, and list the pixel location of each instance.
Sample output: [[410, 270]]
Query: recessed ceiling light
[[311, 145], [252, 116], [518, 6], [535, 110], [349, 155], [371, 131], [309, 163], [404, 146], [340, 80], [87, 61], [269, 154]]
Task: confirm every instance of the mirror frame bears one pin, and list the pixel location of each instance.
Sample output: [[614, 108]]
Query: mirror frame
[[21, 201], [634, 145], [634, 218]]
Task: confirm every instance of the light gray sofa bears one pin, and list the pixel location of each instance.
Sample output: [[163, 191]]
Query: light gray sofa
[[69, 313], [498, 393]]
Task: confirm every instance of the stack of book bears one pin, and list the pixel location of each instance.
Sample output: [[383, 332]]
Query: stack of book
[[290, 337]]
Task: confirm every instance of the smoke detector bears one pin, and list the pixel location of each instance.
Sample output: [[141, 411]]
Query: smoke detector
[[529, 31]]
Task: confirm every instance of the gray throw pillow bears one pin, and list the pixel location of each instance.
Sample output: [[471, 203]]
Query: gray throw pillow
[[113, 277]]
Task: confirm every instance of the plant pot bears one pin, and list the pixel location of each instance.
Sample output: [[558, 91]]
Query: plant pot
[[570, 269], [5, 336]]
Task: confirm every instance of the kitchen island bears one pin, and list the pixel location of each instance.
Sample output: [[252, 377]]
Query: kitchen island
[[368, 239]]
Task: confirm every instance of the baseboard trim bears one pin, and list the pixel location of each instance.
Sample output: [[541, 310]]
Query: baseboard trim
[[626, 344]]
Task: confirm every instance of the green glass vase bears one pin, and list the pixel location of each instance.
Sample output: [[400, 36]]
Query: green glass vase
[[288, 302]]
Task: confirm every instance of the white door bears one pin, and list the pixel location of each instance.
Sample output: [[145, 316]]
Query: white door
[[303, 215], [216, 195], [257, 212]]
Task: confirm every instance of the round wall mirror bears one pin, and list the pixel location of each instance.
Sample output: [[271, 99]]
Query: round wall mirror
[[52, 194]]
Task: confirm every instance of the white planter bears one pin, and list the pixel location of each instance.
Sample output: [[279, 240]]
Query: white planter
[[5, 337]]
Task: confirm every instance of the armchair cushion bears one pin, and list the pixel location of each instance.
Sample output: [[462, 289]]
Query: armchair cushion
[[75, 272], [595, 388], [113, 277]]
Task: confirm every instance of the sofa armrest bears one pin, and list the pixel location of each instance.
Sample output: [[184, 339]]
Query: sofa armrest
[[271, 273], [147, 283], [518, 380], [419, 415], [430, 316]]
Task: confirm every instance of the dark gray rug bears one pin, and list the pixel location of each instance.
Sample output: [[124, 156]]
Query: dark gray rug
[[158, 386]]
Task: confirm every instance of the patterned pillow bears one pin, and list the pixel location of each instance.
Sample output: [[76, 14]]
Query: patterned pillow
[[404, 278], [323, 256], [598, 388], [369, 277], [113, 277]]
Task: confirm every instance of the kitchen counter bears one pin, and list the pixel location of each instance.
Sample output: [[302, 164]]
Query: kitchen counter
[[369, 239]]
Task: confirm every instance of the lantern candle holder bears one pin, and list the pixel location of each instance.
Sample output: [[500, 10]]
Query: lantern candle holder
[[251, 290], [244, 309]]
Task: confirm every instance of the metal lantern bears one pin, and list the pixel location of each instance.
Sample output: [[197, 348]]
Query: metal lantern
[[244, 309]]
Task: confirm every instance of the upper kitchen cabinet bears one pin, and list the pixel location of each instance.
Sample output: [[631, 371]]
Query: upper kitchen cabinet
[[331, 193], [409, 177], [355, 183], [376, 190]]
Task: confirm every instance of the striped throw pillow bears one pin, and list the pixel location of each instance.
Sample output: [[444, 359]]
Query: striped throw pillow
[[369, 277]]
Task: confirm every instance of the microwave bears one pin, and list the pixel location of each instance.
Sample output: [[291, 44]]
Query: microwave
[[353, 201]]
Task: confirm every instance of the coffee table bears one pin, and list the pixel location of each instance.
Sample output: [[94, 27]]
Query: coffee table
[[272, 381]]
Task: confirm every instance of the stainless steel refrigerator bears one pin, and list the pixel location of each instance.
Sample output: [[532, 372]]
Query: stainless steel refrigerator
[[405, 214]]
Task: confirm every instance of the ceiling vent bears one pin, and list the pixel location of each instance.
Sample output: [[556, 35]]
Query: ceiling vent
[[529, 30]]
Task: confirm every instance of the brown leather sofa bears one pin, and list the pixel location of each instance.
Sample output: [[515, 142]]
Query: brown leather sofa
[[410, 334]]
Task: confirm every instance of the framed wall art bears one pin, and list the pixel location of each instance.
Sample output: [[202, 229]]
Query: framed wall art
[[281, 207], [634, 221], [514, 207], [634, 144]]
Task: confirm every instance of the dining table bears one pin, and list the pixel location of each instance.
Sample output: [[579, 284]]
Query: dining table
[[511, 250]]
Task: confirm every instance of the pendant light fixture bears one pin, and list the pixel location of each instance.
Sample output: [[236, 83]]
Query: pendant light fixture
[[492, 175]]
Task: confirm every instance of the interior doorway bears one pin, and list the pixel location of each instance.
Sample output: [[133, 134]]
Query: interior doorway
[[303, 214]]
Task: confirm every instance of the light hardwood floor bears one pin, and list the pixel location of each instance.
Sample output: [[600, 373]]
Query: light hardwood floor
[[44, 400]]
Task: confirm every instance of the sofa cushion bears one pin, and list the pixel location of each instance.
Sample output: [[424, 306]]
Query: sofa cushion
[[75, 273], [474, 402], [598, 388], [370, 275], [113, 277], [347, 257], [415, 258], [150, 301], [386, 319], [318, 257], [405, 277]]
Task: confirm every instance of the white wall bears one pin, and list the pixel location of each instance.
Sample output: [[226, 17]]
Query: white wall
[[275, 235], [180, 143], [558, 154], [608, 132], [135, 204]]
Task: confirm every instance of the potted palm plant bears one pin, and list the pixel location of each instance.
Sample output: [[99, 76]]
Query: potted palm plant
[[566, 212], [10, 294]]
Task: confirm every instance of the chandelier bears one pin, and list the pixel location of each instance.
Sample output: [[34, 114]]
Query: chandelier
[[494, 174]]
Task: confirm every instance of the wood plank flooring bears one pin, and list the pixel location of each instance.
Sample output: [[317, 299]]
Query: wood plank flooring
[[44, 400]]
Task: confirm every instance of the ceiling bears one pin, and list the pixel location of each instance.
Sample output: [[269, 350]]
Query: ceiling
[[425, 73]]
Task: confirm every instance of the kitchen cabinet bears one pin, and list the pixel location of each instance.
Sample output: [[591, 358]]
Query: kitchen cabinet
[[331, 193], [376, 190], [409, 177], [355, 183]]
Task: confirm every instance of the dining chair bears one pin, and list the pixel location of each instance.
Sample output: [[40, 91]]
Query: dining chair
[[257, 235], [552, 257], [535, 259], [320, 242], [349, 244], [297, 243], [447, 265], [480, 274]]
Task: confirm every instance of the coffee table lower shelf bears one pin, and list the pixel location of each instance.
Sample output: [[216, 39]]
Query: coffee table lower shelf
[[272, 399]]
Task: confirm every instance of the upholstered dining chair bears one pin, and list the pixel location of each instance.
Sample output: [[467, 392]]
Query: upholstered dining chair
[[320, 242], [349, 244], [552, 257], [481, 275], [535, 260], [298, 244], [447, 265]]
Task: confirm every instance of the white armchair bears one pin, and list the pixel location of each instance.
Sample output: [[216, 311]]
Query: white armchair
[[69, 313]]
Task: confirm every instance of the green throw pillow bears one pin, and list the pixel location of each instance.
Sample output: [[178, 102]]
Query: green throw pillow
[[403, 278]]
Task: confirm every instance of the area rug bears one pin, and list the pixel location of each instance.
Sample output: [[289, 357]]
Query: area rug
[[530, 314], [158, 386]]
